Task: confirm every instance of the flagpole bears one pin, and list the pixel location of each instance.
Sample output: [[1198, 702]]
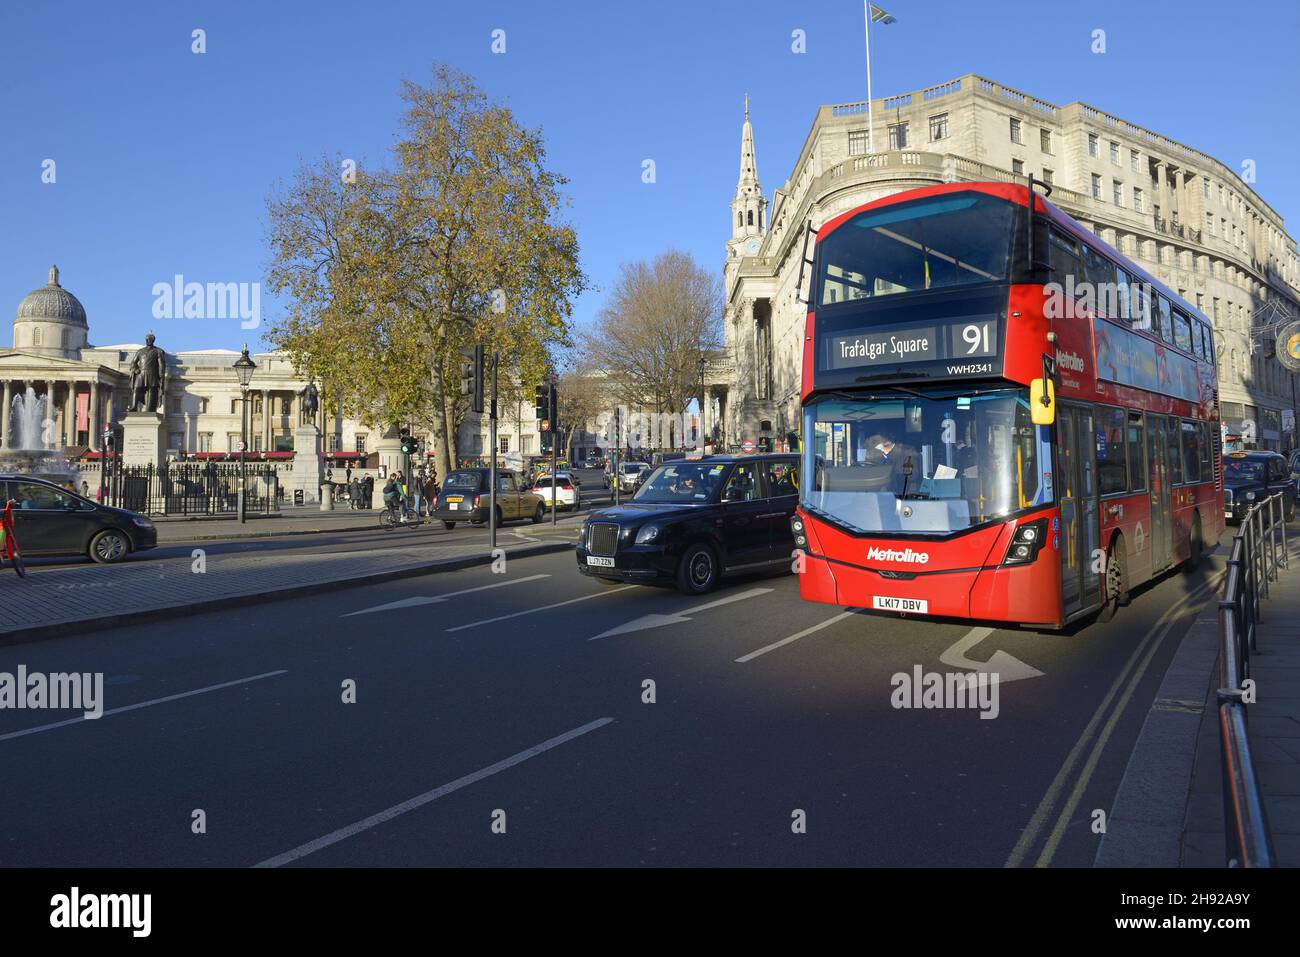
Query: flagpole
[[866, 28]]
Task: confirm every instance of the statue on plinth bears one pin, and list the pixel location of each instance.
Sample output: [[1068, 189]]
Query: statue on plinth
[[310, 403], [148, 378]]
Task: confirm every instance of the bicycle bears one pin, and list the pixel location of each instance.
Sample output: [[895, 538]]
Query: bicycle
[[398, 513], [9, 541]]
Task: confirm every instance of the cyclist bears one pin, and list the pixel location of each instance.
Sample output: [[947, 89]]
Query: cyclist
[[392, 496]]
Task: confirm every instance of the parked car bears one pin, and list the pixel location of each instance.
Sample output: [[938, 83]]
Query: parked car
[[1295, 471], [51, 521], [693, 521], [568, 494], [465, 494], [1249, 477]]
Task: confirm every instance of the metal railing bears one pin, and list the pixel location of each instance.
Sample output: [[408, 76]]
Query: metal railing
[[1259, 553]]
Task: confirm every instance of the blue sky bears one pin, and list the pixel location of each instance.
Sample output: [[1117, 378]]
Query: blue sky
[[164, 158]]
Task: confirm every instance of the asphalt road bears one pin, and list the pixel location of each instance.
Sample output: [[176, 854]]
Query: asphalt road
[[485, 698]]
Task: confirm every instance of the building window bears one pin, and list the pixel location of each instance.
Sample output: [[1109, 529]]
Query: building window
[[1117, 192], [1114, 152], [203, 405], [939, 127], [36, 336], [232, 441], [1133, 160], [503, 442], [526, 444], [1047, 176], [332, 444], [205, 442], [1096, 186], [1018, 167], [361, 443], [1015, 130], [1092, 144], [1137, 199], [1045, 140], [1209, 223], [1205, 188], [898, 136], [175, 441], [858, 144], [257, 442]]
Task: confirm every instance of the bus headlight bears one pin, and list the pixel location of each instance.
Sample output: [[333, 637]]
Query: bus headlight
[[800, 533], [1025, 542]]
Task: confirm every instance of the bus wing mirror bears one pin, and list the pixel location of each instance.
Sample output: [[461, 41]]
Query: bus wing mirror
[[1042, 401]]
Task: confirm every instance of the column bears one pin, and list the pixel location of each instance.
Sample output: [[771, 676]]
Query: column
[[95, 427], [70, 414], [266, 420], [4, 414], [1180, 195], [1159, 197]]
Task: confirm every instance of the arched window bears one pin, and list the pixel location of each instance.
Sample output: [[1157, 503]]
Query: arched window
[[740, 219], [36, 336], [751, 218]]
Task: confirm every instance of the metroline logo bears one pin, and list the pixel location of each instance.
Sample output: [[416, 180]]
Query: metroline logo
[[893, 555]]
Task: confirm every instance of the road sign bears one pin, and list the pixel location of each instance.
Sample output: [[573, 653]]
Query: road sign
[[747, 445], [546, 425]]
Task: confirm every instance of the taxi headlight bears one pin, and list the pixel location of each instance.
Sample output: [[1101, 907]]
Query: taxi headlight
[[648, 534]]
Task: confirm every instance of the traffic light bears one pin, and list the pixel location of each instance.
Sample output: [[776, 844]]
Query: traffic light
[[553, 399], [540, 403], [471, 376], [410, 444], [546, 405]]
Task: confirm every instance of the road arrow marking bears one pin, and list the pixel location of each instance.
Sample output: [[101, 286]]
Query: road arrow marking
[[434, 599], [658, 621], [1005, 666]]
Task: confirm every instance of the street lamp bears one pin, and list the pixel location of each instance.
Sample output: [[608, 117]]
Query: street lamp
[[244, 367], [702, 399]]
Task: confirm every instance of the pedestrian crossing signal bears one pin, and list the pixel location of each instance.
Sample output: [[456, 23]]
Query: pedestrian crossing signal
[[471, 376]]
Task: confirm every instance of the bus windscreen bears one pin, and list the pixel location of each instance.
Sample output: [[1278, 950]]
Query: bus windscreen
[[932, 243], [924, 464]]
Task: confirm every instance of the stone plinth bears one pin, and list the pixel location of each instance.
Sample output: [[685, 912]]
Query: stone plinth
[[143, 439], [308, 469]]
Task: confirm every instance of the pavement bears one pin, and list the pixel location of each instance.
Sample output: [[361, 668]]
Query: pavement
[[1168, 810], [535, 717]]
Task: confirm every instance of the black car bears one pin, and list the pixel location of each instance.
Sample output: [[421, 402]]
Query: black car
[[694, 520], [464, 497], [1249, 477], [49, 521]]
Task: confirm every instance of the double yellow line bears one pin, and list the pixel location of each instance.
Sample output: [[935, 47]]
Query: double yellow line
[[1131, 673]]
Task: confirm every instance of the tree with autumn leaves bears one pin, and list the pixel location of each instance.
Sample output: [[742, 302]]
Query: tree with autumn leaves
[[389, 272]]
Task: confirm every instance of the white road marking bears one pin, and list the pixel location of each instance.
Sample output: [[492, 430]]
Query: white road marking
[[420, 800], [434, 599], [795, 637], [1005, 666], [658, 621], [529, 611], [141, 704]]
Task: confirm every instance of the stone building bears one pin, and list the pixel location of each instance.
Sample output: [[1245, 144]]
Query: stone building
[[1189, 219]]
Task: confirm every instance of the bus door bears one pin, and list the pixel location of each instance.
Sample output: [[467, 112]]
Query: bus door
[[1159, 445], [1077, 494]]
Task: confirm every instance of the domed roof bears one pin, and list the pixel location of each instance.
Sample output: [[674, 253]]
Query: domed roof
[[52, 303]]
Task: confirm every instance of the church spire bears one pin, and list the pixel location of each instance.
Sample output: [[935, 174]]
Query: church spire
[[748, 207]]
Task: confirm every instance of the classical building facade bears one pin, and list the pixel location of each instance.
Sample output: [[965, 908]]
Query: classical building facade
[[86, 387], [1187, 218]]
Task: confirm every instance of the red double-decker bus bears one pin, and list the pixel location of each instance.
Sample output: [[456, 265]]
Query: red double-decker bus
[[1004, 418]]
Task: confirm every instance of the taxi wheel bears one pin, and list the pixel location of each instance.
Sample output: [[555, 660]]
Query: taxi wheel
[[698, 571], [109, 546], [1116, 581], [539, 513]]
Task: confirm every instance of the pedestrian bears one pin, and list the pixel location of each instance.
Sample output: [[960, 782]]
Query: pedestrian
[[354, 494], [368, 492], [85, 490]]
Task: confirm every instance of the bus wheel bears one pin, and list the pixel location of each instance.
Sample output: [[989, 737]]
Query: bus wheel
[[1116, 581], [1195, 546]]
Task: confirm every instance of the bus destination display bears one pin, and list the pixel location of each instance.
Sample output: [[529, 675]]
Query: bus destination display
[[958, 339]]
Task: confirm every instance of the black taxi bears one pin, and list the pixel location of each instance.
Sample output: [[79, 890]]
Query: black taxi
[[1250, 477], [694, 520]]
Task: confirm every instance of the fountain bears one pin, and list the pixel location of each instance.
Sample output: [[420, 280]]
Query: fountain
[[33, 448]]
